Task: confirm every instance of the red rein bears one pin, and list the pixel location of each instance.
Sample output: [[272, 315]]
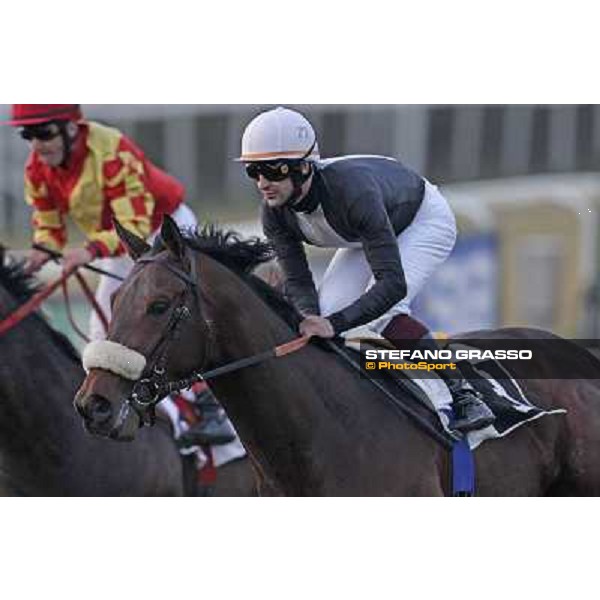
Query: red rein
[[32, 305]]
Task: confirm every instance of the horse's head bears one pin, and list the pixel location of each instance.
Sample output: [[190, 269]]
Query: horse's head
[[157, 312]]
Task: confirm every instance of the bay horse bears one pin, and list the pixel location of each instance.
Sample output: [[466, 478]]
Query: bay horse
[[314, 426], [44, 450]]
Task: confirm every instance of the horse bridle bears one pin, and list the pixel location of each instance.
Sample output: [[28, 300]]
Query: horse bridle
[[149, 375], [150, 390], [152, 386]]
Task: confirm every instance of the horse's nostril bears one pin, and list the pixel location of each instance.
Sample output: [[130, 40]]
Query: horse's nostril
[[100, 409]]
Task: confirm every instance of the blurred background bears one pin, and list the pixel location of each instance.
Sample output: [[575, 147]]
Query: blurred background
[[522, 179]]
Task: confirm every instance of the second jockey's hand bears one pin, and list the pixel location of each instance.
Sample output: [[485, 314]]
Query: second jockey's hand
[[314, 326], [76, 257]]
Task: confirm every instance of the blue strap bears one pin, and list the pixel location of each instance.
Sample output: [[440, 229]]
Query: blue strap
[[463, 470]]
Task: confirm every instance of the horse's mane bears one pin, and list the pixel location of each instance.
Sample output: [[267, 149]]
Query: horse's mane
[[22, 287], [13, 277], [242, 256]]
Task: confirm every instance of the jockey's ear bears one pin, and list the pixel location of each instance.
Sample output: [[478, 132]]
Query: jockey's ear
[[135, 245], [172, 238]]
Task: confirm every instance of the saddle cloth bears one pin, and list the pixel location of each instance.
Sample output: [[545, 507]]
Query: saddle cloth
[[500, 391]]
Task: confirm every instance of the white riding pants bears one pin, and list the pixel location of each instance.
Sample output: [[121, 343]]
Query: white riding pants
[[424, 246]]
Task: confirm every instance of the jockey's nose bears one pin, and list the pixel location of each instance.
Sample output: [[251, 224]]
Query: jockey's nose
[[263, 182]]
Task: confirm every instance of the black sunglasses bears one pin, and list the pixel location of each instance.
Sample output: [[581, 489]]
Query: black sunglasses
[[270, 171], [43, 133]]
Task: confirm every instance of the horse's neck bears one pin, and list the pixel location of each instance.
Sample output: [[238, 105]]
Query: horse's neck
[[240, 322], [301, 415], [37, 382]]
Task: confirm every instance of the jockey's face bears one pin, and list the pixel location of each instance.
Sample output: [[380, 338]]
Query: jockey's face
[[48, 143], [276, 188], [275, 193]]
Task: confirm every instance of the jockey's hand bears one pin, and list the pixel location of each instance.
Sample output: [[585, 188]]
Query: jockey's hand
[[35, 261], [317, 327], [76, 257]]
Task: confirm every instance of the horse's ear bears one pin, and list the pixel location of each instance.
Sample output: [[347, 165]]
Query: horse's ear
[[172, 238], [135, 245]]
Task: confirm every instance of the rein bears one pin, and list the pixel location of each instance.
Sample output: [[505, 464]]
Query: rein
[[58, 256], [147, 393], [36, 301], [163, 390], [151, 390]]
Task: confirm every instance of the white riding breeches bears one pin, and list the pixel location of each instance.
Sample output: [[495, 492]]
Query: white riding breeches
[[424, 246], [121, 266]]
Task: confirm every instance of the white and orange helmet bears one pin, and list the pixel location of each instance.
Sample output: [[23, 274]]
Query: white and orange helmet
[[279, 134]]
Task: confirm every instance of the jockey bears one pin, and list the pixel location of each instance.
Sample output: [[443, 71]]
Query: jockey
[[393, 229], [95, 174]]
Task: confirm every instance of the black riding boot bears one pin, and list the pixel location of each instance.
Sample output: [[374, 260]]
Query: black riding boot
[[214, 428], [470, 412]]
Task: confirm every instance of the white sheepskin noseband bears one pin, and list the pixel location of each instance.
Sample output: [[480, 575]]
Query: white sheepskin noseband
[[114, 358]]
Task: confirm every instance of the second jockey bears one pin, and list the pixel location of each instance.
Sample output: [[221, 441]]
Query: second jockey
[[94, 174], [392, 229]]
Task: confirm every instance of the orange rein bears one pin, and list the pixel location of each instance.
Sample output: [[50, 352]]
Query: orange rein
[[291, 347]]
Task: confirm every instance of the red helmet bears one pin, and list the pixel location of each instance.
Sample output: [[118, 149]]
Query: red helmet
[[35, 114]]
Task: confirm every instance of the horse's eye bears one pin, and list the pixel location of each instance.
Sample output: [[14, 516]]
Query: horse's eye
[[158, 308]]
